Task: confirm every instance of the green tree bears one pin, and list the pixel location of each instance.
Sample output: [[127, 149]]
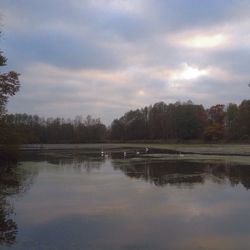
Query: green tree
[[9, 85], [117, 130], [244, 119], [232, 122], [215, 130], [190, 121], [158, 120]]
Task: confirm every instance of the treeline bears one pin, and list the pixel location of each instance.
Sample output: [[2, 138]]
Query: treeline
[[34, 129], [158, 122], [184, 121]]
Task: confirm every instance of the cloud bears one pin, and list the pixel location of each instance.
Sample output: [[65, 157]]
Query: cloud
[[183, 15], [61, 49], [106, 57]]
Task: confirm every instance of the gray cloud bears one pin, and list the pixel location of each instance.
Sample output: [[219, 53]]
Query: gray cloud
[[105, 57], [236, 61], [181, 14], [61, 49]]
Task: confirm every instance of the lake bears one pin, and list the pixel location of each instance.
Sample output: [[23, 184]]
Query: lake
[[81, 199]]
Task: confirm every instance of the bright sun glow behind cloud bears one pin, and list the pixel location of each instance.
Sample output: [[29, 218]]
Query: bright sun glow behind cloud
[[189, 73], [206, 41], [202, 41], [141, 93]]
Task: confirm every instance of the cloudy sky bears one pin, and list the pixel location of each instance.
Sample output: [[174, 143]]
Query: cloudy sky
[[104, 57]]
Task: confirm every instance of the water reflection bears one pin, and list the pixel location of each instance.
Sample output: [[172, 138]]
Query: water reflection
[[79, 200], [181, 173], [159, 173], [79, 161], [8, 227], [12, 182]]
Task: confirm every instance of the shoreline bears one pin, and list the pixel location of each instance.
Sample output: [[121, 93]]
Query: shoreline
[[203, 149]]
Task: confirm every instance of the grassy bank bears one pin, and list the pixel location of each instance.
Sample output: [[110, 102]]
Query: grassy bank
[[213, 149]]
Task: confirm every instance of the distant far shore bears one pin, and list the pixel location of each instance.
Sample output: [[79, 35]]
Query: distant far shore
[[217, 149]]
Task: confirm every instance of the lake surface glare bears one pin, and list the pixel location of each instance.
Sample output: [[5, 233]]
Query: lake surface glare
[[85, 200]]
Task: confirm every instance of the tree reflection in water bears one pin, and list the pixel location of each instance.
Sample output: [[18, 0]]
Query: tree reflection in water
[[8, 227], [16, 180], [181, 173], [12, 182], [79, 161]]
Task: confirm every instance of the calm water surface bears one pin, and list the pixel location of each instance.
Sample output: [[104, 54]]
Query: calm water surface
[[85, 201]]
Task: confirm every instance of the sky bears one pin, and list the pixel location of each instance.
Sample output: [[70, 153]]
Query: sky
[[105, 57]]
